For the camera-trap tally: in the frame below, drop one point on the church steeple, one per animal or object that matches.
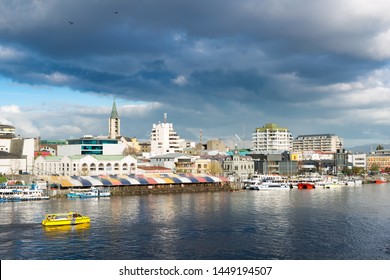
(114, 112)
(114, 130)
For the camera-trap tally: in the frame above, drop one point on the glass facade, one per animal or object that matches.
(92, 146)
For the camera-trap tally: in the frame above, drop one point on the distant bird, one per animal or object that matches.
(70, 22)
(115, 13)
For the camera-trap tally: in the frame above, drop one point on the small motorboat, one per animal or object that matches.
(304, 185)
(381, 180)
(65, 219)
(92, 192)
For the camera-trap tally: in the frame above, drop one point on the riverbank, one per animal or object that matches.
(157, 189)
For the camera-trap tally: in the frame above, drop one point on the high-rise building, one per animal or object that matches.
(16, 153)
(318, 142)
(164, 139)
(114, 128)
(271, 137)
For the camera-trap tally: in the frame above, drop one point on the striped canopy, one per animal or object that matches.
(128, 180)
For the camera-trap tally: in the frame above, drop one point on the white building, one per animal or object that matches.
(317, 142)
(91, 165)
(11, 164)
(271, 137)
(359, 160)
(91, 146)
(17, 155)
(164, 139)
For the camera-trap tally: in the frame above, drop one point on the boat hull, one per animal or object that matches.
(91, 193)
(65, 219)
(302, 186)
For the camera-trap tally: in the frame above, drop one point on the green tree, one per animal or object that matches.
(215, 168)
(374, 168)
(357, 170)
(379, 148)
(3, 179)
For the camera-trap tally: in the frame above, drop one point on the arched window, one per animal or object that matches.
(84, 169)
(132, 168)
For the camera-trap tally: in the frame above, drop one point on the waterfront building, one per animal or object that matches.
(359, 160)
(341, 161)
(164, 139)
(271, 137)
(238, 166)
(202, 166)
(274, 162)
(317, 142)
(114, 128)
(83, 165)
(379, 161)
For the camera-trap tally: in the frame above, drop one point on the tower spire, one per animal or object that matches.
(114, 112)
(114, 129)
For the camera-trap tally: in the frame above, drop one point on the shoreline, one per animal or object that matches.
(156, 189)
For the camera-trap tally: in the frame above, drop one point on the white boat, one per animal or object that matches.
(21, 193)
(267, 182)
(89, 193)
(353, 182)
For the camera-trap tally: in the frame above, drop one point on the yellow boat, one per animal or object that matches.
(65, 219)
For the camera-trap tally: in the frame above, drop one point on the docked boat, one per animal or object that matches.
(381, 180)
(331, 185)
(89, 193)
(65, 219)
(306, 185)
(353, 182)
(267, 182)
(9, 193)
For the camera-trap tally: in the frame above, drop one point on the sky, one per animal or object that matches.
(221, 66)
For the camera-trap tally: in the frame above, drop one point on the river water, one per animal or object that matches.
(348, 223)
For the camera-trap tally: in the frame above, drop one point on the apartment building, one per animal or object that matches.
(164, 139)
(271, 137)
(317, 142)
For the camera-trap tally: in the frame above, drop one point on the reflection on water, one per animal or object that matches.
(343, 223)
(53, 231)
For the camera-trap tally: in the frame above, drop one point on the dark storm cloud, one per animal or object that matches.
(264, 58)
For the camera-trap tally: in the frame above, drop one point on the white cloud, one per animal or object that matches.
(9, 53)
(180, 80)
(10, 109)
(66, 129)
(380, 46)
(57, 78)
(138, 109)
